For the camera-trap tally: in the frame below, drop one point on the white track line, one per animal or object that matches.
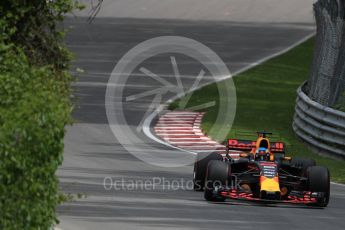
(167, 130)
(335, 183)
(165, 126)
(177, 135)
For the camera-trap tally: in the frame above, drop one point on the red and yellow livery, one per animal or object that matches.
(260, 171)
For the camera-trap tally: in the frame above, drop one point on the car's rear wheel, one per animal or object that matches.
(319, 182)
(200, 167)
(303, 164)
(218, 173)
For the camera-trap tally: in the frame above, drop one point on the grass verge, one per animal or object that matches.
(266, 98)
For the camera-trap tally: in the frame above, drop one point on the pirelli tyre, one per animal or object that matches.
(319, 182)
(303, 164)
(217, 176)
(200, 166)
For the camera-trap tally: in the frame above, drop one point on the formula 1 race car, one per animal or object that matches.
(260, 171)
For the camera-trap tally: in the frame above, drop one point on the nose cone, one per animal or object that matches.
(269, 185)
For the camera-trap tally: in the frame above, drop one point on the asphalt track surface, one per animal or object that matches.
(92, 153)
(258, 11)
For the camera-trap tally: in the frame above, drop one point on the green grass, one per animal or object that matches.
(266, 98)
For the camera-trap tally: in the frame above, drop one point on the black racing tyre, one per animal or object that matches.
(218, 173)
(303, 163)
(319, 181)
(200, 166)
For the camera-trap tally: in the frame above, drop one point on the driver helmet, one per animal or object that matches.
(262, 154)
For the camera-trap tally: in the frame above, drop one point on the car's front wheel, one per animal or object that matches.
(200, 167)
(319, 182)
(218, 173)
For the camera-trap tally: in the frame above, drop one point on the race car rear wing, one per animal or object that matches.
(248, 145)
(240, 145)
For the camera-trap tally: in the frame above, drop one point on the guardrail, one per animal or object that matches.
(323, 128)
